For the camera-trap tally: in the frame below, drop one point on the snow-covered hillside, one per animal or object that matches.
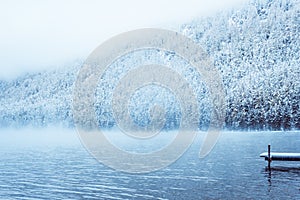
(256, 49)
(39, 99)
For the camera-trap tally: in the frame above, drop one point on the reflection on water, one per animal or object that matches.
(280, 174)
(279, 169)
(233, 170)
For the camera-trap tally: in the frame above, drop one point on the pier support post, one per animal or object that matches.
(269, 157)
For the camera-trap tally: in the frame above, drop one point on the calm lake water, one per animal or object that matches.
(38, 166)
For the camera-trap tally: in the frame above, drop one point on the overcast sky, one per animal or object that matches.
(40, 34)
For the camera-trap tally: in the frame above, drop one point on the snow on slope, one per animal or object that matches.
(255, 48)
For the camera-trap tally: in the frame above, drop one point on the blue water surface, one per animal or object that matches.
(54, 165)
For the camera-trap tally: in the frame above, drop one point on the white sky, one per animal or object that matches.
(39, 34)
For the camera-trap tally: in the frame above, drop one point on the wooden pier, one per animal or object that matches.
(270, 156)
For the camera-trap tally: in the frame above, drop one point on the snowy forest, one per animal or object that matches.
(255, 48)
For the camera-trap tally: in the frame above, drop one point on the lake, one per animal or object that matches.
(52, 164)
